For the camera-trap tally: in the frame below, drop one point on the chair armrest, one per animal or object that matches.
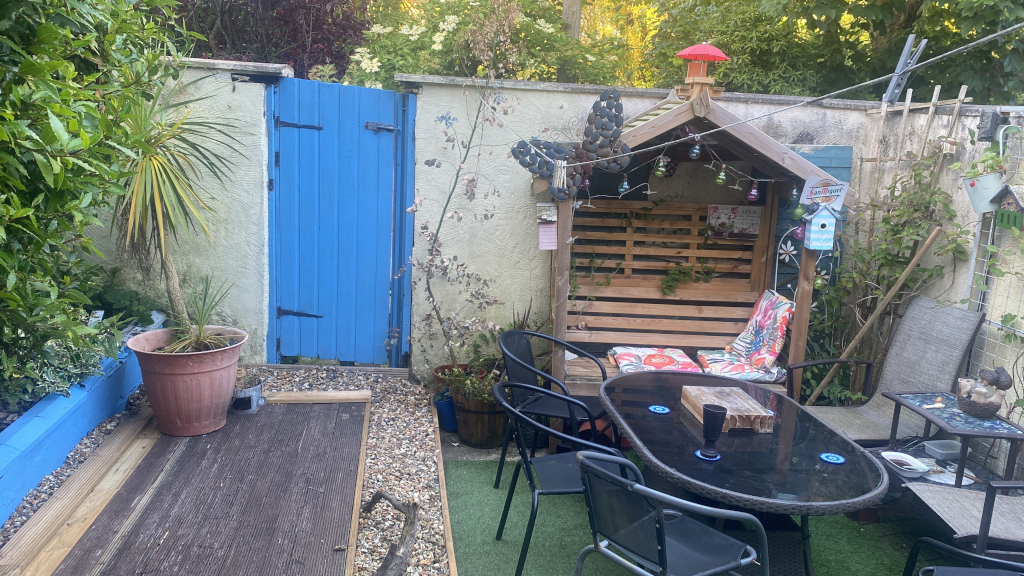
(790, 385)
(569, 400)
(988, 509)
(976, 559)
(694, 508)
(622, 462)
(575, 349)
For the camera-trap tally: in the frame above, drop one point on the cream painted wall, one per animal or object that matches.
(495, 234)
(238, 251)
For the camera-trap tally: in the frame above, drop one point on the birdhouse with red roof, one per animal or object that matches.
(697, 71)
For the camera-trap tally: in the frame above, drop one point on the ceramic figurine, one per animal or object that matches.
(984, 398)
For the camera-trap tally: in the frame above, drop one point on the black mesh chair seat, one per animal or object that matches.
(560, 473)
(694, 547)
(647, 532)
(554, 408)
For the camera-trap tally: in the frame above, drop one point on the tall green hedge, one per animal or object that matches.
(66, 68)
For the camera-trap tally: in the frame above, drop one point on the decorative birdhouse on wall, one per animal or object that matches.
(821, 228)
(1010, 213)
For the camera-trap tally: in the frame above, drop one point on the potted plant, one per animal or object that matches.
(481, 422)
(189, 371)
(983, 179)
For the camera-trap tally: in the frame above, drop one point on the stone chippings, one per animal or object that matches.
(48, 485)
(401, 458)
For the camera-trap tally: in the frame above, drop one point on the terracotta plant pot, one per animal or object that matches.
(190, 393)
(481, 422)
(439, 381)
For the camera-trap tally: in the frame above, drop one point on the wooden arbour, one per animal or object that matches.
(612, 254)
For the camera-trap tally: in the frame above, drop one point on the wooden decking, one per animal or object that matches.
(272, 493)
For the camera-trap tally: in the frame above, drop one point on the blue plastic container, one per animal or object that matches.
(446, 414)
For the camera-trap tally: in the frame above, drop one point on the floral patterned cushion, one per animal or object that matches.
(630, 359)
(762, 340)
(752, 355)
(732, 365)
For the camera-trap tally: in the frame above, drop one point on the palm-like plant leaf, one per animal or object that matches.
(172, 153)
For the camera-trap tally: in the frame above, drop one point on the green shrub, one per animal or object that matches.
(66, 69)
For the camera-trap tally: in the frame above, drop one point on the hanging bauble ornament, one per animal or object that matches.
(659, 167)
(624, 187)
(819, 283)
(794, 194)
(585, 183)
(753, 195)
(720, 179)
(695, 152)
(798, 233)
(799, 211)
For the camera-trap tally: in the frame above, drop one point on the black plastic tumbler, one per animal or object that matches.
(714, 419)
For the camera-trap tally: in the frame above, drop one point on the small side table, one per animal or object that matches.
(955, 422)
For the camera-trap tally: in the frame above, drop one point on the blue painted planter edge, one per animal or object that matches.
(39, 441)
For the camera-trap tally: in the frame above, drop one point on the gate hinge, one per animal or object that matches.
(270, 185)
(278, 123)
(286, 312)
(378, 127)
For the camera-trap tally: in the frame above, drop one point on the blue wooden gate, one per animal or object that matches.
(341, 176)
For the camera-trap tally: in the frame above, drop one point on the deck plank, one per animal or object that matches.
(271, 493)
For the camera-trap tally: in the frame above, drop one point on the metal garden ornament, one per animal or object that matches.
(599, 149)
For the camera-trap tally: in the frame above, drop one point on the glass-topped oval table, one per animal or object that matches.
(782, 472)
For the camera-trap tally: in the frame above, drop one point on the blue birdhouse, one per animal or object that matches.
(821, 228)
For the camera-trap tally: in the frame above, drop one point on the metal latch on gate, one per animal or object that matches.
(378, 127)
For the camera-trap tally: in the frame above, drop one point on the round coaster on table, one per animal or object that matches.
(658, 409)
(832, 458)
(706, 459)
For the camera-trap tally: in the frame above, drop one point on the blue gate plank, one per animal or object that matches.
(309, 160)
(286, 191)
(328, 219)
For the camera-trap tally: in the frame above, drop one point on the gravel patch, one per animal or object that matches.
(401, 458)
(48, 485)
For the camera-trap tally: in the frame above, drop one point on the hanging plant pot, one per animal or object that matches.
(189, 392)
(982, 189)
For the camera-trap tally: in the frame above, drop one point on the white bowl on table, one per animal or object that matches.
(905, 465)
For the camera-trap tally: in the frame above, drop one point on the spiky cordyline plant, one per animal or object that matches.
(194, 333)
(169, 149)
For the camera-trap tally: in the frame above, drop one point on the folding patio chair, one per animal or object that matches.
(983, 565)
(517, 350)
(928, 353)
(556, 474)
(654, 533)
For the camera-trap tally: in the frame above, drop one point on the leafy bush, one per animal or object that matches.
(514, 39)
(302, 33)
(107, 293)
(65, 71)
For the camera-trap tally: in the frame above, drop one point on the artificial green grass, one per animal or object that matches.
(841, 547)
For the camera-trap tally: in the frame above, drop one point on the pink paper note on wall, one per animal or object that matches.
(548, 232)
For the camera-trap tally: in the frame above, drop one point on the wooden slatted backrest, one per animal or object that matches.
(622, 252)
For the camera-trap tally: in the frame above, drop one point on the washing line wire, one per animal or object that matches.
(879, 80)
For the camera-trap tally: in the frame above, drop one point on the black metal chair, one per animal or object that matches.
(555, 474)
(521, 367)
(653, 532)
(984, 565)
